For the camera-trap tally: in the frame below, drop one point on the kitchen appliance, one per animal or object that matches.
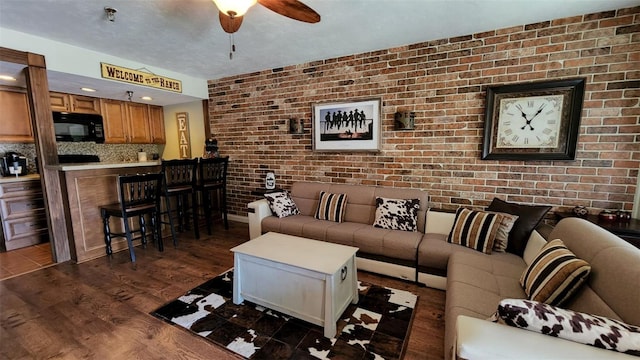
(74, 127)
(13, 164)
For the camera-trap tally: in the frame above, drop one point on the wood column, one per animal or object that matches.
(46, 149)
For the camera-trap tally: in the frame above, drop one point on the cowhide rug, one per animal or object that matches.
(375, 328)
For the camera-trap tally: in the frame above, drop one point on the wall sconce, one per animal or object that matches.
(405, 120)
(296, 126)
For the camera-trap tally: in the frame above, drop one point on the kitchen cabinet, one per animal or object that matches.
(15, 116)
(139, 129)
(156, 122)
(115, 120)
(74, 103)
(133, 123)
(24, 221)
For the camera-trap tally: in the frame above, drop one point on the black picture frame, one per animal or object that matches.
(570, 94)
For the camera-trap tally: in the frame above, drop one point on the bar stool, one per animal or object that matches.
(180, 184)
(212, 176)
(139, 196)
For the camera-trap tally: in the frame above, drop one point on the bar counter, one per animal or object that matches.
(88, 187)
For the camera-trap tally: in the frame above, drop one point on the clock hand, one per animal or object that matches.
(537, 112)
(522, 112)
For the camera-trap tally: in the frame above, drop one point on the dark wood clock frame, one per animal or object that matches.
(572, 91)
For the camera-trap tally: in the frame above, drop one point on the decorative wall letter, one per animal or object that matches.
(184, 139)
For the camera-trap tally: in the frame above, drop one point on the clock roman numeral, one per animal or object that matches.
(546, 131)
(508, 132)
(515, 138)
(526, 141)
(530, 103)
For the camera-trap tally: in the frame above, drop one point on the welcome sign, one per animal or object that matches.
(119, 73)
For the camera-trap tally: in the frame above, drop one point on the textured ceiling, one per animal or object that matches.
(185, 36)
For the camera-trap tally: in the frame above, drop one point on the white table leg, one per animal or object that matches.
(354, 280)
(237, 274)
(330, 327)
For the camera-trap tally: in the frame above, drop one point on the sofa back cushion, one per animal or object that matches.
(614, 284)
(361, 199)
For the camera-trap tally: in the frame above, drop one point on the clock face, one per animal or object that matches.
(529, 122)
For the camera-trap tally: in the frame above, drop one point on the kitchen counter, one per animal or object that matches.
(102, 165)
(10, 179)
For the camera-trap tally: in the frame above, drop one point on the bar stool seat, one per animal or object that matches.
(139, 196)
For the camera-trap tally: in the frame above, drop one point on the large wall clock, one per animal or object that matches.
(534, 121)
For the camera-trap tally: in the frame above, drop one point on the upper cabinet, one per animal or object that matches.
(134, 123)
(15, 116)
(156, 122)
(74, 103)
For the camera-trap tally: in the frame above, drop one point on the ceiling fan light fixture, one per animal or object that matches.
(234, 8)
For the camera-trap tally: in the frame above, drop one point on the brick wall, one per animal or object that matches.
(444, 83)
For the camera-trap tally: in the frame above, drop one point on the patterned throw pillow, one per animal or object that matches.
(554, 275)
(583, 328)
(475, 229)
(331, 206)
(502, 235)
(281, 204)
(397, 214)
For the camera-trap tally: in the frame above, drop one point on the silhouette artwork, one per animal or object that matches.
(346, 123)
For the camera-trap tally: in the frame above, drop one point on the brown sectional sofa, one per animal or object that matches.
(475, 282)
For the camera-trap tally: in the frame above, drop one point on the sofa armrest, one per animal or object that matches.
(258, 210)
(439, 222)
(482, 339)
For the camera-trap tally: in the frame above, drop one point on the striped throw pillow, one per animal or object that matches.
(475, 229)
(331, 206)
(554, 275)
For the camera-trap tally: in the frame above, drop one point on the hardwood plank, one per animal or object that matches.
(100, 308)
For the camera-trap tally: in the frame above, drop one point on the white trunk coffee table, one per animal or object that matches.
(308, 279)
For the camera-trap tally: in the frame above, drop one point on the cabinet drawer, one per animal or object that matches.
(20, 206)
(19, 188)
(27, 227)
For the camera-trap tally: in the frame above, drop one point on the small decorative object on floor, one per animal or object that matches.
(580, 211)
(270, 181)
(607, 215)
(623, 216)
(377, 327)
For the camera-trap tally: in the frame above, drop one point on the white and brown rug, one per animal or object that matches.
(375, 328)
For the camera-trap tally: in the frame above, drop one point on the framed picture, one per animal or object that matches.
(535, 121)
(347, 126)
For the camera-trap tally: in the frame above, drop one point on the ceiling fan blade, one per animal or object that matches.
(293, 9)
(228, 23)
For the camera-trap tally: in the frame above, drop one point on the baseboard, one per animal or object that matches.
(433, 281)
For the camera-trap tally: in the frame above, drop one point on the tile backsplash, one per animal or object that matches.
(108, 153)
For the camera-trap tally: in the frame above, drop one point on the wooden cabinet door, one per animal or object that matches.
(156, 123)
(116, 124)
(15, 118)
(59, 101)
(139, 132)
(85, 104)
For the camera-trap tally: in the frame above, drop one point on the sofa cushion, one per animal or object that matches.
(331, 206)
(397, 214)
(554, 275)
(502, 235)
(529, 216)
(474, 229)
(281, 204)
(584, 328)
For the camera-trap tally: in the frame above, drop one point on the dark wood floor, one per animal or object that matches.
(100, 309)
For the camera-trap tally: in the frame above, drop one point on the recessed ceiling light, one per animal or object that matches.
(88, 89)
(7, 78)
(146, 98)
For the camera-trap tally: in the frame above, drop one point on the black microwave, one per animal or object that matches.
(77, 127)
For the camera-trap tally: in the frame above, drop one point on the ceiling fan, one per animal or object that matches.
(231, 12)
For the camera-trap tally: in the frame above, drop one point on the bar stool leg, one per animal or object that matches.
(107, 231)
(167, 204)
(194, 213)
(224, 208)
(206, 199)
(127, 231)
(157, 229)
(143, 230)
